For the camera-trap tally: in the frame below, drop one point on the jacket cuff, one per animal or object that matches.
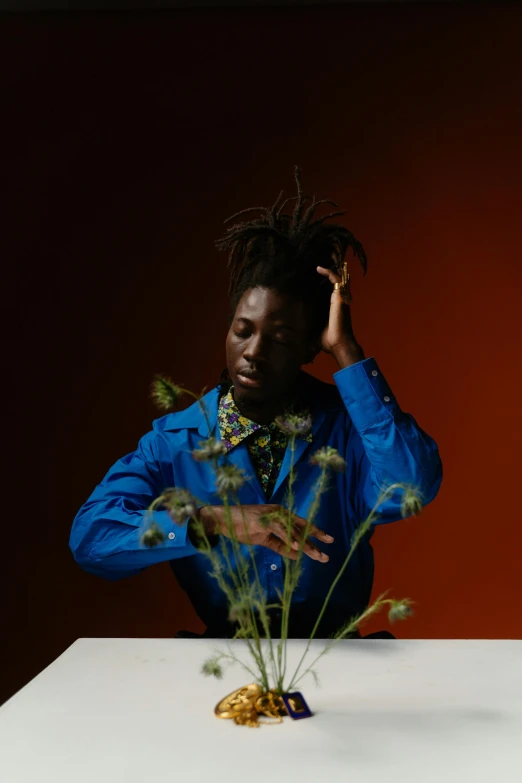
(366, 394)
(176, 535)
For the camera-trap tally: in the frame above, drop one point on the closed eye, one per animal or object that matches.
(245, 335)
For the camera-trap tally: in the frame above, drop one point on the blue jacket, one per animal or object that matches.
(359, 416)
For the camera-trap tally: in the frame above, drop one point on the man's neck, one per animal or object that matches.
(261, 413)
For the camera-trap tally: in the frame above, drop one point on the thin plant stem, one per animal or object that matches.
(225, 587)
(358, 534)
(232, 657)
(241, 563)
(293, 568)
(262, 598)
(350, 628)
(241, 587)
(288, 581)
(321, 487)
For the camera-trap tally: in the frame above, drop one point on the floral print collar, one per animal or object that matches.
(266, 447)
(234, 427)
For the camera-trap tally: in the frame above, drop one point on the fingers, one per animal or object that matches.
(314, 531)
(329, 273)
(293, 541)
(300, 525)
(308, 547)
(280, 547)
(287, 540)
(278, 529)
(342, 292)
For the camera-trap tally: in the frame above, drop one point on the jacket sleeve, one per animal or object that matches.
(385, 445)
(105, 536)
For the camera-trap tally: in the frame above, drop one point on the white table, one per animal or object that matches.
(138, 711)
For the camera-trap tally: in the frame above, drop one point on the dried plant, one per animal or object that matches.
(247, 601)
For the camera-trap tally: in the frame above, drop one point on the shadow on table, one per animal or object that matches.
(356, 731)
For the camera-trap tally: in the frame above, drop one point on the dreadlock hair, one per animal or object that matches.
(282, 251)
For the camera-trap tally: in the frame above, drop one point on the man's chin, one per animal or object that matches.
(245, 393)
(254, 394)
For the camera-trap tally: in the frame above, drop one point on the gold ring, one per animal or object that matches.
(336, 286)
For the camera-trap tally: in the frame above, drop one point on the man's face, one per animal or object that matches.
(266, 346)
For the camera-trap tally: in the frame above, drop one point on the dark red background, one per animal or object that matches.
(127, 140)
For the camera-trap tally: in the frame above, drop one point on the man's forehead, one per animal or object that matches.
(270, 305)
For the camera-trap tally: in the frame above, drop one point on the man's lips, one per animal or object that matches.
(250, 378)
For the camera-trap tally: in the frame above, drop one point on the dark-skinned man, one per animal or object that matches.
(289, 301)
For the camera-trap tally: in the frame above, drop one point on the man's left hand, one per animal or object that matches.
(338, 338)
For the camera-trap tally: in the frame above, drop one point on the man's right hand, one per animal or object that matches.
(245, 526)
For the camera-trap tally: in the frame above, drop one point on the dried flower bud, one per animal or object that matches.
(153, 536)
(209, 449)
(328, 458)
(229, 478)
(411, 502)
(164, 393)
(400, 610)
(293, 424)
(179, 503)
(212, 668)
(239, 611)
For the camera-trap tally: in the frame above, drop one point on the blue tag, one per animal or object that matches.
(296, 706)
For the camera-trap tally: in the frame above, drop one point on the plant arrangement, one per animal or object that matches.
(273, 692)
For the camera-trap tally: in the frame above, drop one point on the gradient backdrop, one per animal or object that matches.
(127, 140)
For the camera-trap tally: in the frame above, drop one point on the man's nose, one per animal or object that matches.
(255, 350)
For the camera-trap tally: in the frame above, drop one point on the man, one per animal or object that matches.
(288, 302)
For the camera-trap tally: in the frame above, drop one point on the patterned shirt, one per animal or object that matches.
(266, 447)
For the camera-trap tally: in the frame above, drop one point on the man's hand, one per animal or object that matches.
(246, 527)
(338, 338)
